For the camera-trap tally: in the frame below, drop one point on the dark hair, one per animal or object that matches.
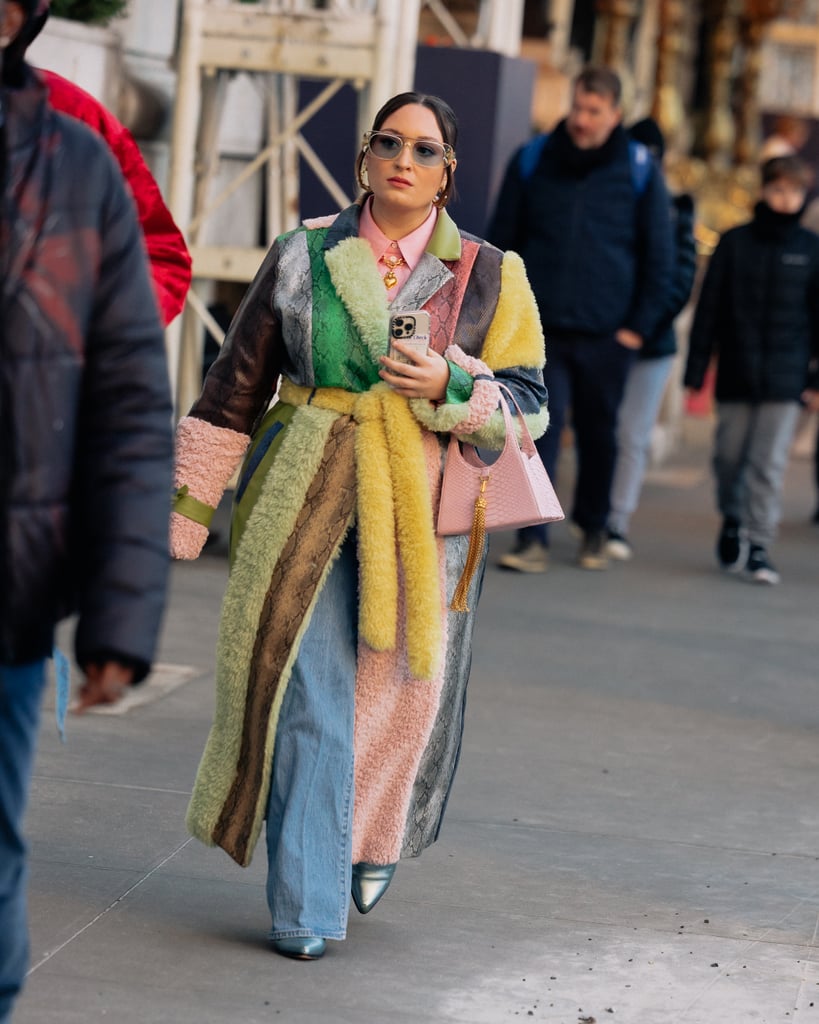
(601, 81)
(790, 167)
(648, 132)
(35, 14)
(447, 123)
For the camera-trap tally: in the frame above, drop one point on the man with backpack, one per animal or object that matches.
(588, 211)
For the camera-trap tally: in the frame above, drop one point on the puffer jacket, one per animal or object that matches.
(85, 412)
(598, 255)
(167, 252)
(663, 341)
(758, 312)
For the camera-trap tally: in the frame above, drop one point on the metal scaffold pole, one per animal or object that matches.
(369, 44)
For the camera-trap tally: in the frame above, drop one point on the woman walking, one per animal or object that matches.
(341, 670)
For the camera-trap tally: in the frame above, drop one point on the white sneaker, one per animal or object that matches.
(618, 547)
(759, 568)
(531, 557)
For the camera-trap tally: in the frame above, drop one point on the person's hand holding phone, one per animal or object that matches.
(424, 375)
(412, 368)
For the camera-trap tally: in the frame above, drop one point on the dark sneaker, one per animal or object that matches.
(759, 567)
(732, 548)
(592, 554)
(617, 546)
(529, 557)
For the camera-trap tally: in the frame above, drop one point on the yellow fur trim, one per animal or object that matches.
(515, 336)
(394, 504)
(377, 557)
(416, 536)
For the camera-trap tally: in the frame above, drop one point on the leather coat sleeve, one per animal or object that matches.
(243, 378)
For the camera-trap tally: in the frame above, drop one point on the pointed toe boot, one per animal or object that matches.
(305, 947)
(370, 882)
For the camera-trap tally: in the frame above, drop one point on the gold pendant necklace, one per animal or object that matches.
(392, 262)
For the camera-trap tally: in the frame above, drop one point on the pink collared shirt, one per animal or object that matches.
(411, 247)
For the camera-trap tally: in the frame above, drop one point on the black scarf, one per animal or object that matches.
(773, 226)
(579, 162)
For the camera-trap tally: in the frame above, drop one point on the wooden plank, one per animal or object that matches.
(226, 262)
(313, 30)
(287, 57)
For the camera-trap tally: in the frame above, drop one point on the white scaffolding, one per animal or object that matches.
(368, 44)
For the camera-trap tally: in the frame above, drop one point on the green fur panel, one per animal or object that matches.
(359, 285)
(342, 354)
(270, 523)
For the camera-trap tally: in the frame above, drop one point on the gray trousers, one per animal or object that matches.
(751, 454)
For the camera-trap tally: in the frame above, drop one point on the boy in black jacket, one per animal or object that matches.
(759, 313)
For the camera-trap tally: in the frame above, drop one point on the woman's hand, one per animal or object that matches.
(425, 377)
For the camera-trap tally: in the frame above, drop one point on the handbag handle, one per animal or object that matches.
(478, 530)
(526, 443)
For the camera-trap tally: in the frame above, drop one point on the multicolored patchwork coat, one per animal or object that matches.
(339, 449)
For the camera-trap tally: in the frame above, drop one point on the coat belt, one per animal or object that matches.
(396, 535)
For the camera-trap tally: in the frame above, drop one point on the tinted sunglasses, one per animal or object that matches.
(425, 152)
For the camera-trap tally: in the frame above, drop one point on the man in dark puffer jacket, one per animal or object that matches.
(86, 454)
(758, 311)
(592, 224)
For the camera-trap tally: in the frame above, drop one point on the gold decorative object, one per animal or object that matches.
(722, 18)
(753, 25)
(613, 42)
(392, 262)
(672, 47)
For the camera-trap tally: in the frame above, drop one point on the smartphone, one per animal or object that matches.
(412, 330)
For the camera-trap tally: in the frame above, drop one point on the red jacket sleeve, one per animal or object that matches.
(168, 254)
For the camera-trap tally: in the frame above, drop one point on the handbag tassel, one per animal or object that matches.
(473, 555)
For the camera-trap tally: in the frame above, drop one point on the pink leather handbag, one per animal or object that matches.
(479, 497)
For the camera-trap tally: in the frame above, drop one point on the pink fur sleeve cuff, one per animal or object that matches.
(467, 417)
(206, 459)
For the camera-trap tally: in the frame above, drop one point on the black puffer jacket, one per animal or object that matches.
(758, 311)
(85, 414)
(663, 341)
(597, 253)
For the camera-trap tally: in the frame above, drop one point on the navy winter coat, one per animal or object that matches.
(663, 340)
(598, 252)
(85, 412)
(758, 311)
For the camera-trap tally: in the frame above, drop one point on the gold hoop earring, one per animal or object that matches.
(363, 180)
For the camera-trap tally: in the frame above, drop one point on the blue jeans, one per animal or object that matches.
(639, 409)
(310, 808)
(21, 690)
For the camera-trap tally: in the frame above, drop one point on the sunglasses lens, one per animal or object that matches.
(428, 154)
(387, 147)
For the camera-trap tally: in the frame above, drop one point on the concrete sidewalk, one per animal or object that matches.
(633, 834)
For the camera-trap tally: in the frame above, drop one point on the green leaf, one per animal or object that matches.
(91, 12)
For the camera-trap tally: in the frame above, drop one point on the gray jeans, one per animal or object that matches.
(750, 457)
